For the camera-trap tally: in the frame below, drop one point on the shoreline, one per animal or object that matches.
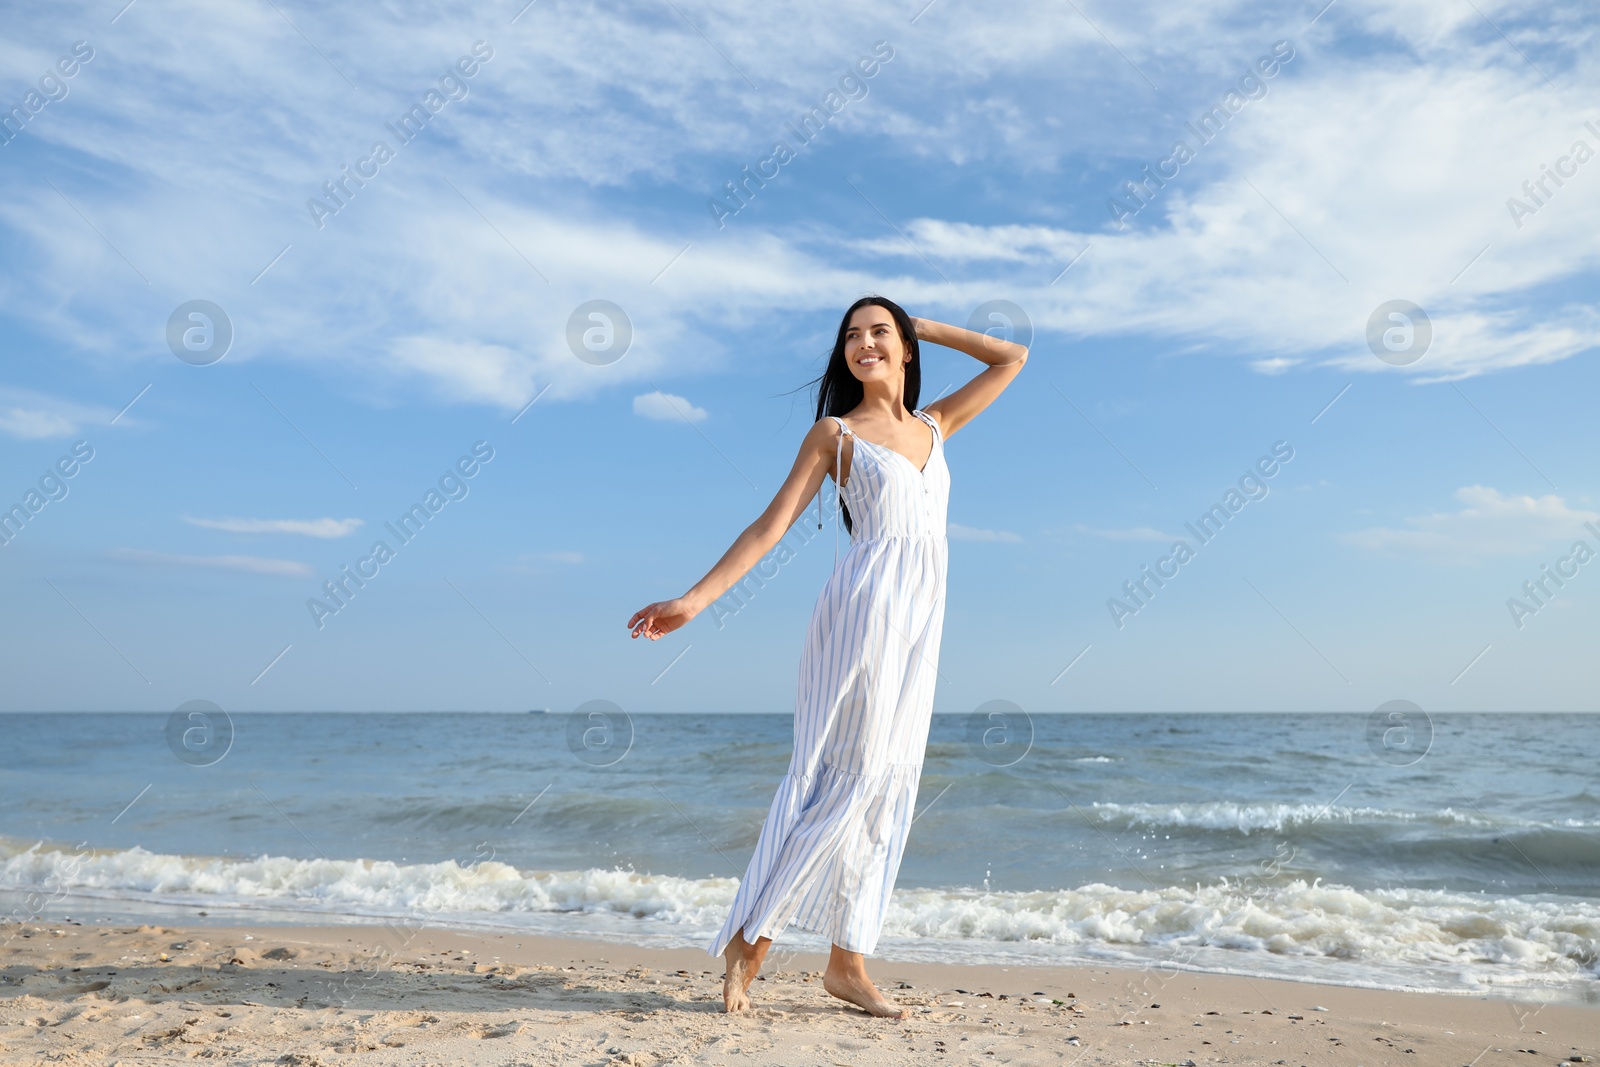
(91, 911)
(305, 994)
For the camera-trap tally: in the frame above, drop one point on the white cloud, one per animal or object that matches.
(466, 370)
(411, 284)
(33, 425)
(973, 533)
(326, 528)
(33, 416)
(1271, 242)
(951, 242)
(659, 405)
(552, 557)
(249, 564)
(1489, 524)
(1134, 533)
(1273, 365)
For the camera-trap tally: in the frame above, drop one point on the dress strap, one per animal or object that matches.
(925, 417)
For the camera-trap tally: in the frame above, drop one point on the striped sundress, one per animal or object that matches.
(830, 849)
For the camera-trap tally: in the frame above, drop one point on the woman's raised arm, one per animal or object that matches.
(813, 462)
(1004, 359)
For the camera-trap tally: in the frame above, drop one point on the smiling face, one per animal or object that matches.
(872, 345)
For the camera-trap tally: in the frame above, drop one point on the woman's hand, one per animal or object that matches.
(919, 327)
(662, 617)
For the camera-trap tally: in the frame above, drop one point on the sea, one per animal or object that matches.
(1453, 853)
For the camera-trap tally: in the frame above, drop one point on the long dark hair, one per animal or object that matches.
(839, 391)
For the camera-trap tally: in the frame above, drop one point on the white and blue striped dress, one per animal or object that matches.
(828, 854)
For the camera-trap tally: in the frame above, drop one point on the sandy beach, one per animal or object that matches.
(309, 996)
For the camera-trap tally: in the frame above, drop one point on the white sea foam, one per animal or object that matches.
(1431, 928)
(370, 887)
(1475, 937)
(1248, 818)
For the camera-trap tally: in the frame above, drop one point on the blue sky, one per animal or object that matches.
(375, 345)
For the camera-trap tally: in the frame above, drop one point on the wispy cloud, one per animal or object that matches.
(1490, 524)
(659, 405)
(32, 416)
(1211, 261)
(34, 425)
(1273, 365)
(1132, 533)
(467, 370)
(555, 557)
(285, 568)
(327, 528)
(973, 533)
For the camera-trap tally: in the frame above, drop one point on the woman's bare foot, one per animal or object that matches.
(744, 962)
(846, 978)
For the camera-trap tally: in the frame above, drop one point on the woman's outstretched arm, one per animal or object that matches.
(1004, 359)
(814, 461)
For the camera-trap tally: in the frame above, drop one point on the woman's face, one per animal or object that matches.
(872, 345)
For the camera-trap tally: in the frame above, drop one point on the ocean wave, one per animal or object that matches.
(1518, 939)
(369, 887)
(1250, 818)
(1405, 926)
(578, 813)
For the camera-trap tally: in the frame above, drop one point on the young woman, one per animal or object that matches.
(830, 848)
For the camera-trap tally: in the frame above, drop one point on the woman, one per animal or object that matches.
(830, 848)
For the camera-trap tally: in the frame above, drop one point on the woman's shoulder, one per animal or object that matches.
(827, 430)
